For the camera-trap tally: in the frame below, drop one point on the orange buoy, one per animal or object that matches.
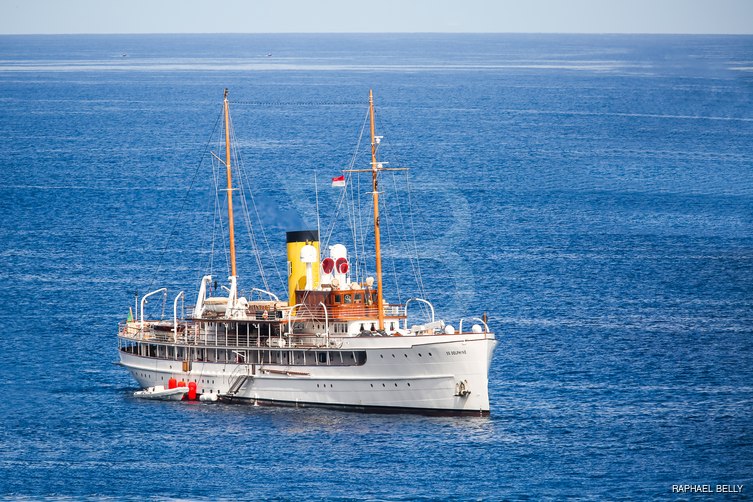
(181, 384)
(172, 383)
(192, 391)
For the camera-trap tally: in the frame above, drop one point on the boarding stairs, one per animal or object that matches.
(238, 379)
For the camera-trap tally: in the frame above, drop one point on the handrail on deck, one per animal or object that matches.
(290, 317)
(143, 301)
(405, 325)
(486, 327)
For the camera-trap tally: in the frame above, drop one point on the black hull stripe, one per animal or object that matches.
(359, 408)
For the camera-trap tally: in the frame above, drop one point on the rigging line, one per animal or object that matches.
(350, 166)
(246, 180)
(219, 212)
(414, 257)
(299, 103)
(316, 193)
(352, 218)
(384, 211)
(399, 226)
(252, 238)
(246, 213)
(406, 250)
(353, 182)
(208, 241)
(337, 213)
(168, 239)
(413, 232)
(361, 261)
(219, 180)
(214, 235)
(404, 236)
(358, 232)
(216, 208)
(361, 255)
(215, 212)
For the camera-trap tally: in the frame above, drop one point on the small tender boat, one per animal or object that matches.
(160, 392)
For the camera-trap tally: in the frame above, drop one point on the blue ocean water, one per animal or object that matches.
(593, 194)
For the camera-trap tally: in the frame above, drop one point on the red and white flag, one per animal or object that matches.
(338, 181)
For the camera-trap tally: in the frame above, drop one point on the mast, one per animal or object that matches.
(231, 225)
(375, 193)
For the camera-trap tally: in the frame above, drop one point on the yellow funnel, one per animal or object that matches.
(296, 267)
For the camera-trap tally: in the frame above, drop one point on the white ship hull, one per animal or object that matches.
(445, 374)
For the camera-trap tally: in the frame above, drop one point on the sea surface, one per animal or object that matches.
(592, 194)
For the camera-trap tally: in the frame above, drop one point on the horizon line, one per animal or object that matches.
(383, 33)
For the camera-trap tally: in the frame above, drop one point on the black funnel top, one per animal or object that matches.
(303, 236)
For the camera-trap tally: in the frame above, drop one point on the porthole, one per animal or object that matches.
(408, 384)
(406, 355)
(419, 355)
(393, 355)
(429, 354)
(381, 355)
(384, 385)
(372, 385)
(395, 384)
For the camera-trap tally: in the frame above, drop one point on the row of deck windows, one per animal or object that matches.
(264, 356)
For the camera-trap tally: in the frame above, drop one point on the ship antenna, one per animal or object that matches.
(231, 226)
(375, 193)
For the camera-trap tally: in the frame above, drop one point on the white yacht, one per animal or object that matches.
(335, 342)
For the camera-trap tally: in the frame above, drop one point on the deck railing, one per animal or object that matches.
(347, 312)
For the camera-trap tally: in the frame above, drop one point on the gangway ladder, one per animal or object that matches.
(239, 377)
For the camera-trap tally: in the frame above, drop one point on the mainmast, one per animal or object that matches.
(375, 168)
(231, 225)
(375, 193)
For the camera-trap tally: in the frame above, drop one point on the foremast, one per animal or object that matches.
(231, 223)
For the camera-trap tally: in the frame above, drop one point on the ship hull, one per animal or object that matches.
(439, 374)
